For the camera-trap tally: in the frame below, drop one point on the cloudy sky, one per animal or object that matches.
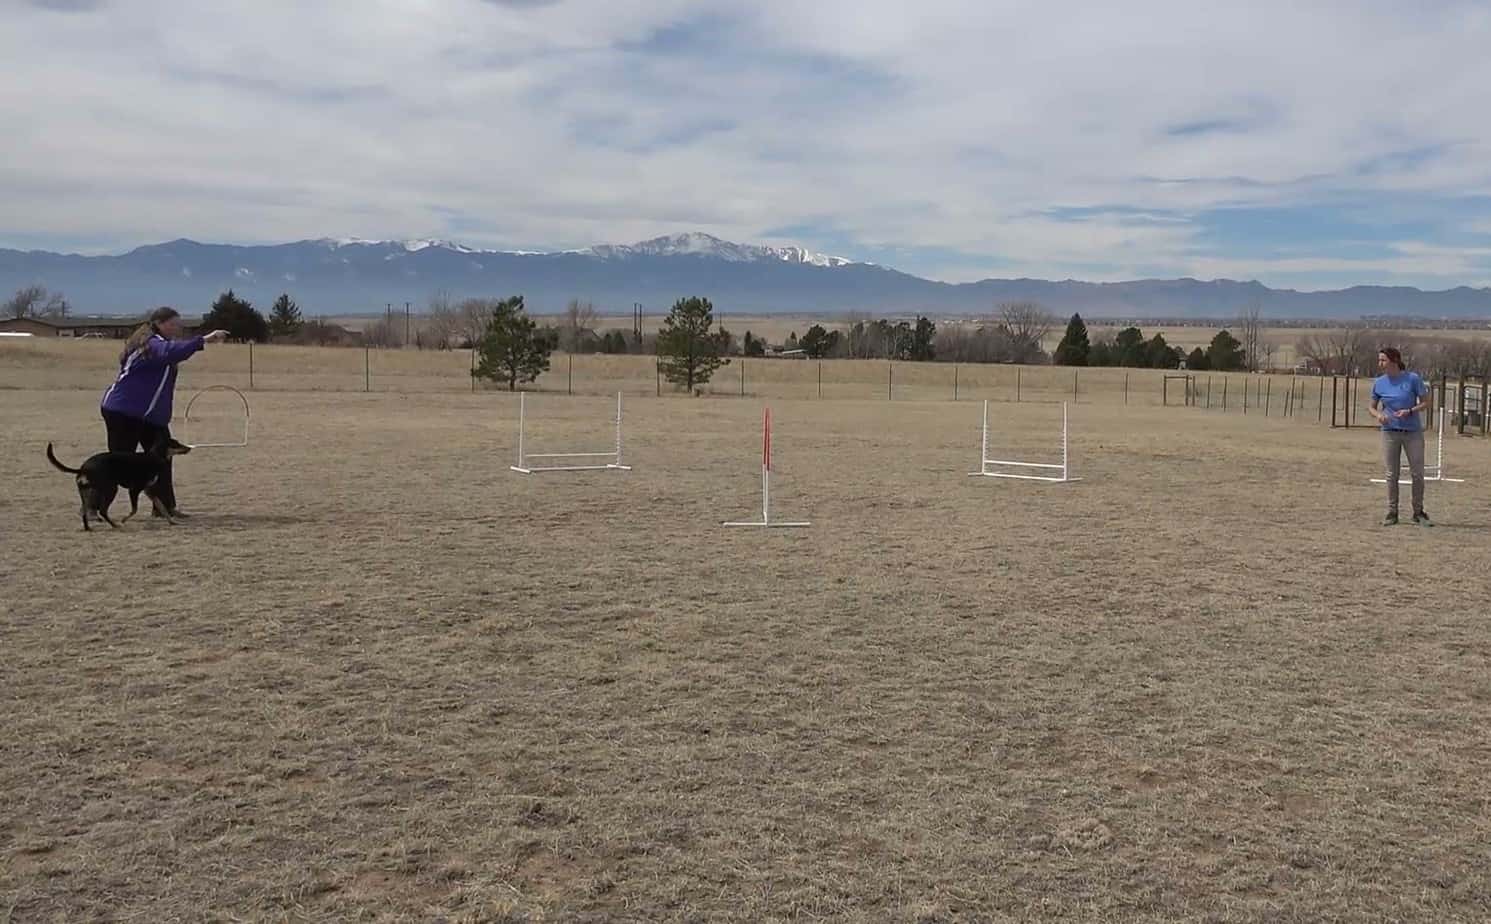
(1305, 145)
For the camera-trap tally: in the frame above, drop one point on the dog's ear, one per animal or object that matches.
(177, 448)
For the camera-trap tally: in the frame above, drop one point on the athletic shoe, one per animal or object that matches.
(1390, 520)
(1422, 519)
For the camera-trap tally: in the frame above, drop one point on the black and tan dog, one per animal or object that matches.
(102, 475)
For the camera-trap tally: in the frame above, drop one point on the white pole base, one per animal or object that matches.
(569, 468)
(523, 466)
(779, 523)
(1058, 479)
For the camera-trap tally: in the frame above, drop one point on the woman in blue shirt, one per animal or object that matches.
(1397, 398)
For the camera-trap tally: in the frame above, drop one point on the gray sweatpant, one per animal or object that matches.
(1396, 443)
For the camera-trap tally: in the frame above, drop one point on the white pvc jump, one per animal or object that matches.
(991, 468)
(1433, 472)
(766, 521)
(186, 418)
(612, 457)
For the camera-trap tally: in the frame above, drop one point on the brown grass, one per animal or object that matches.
(381, 677)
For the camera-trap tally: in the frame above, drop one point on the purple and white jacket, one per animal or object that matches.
(147, 379)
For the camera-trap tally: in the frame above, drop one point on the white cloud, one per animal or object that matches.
(948, 125)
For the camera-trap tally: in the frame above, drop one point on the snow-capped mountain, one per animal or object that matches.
(692, 243)
(356, 276)
(413, 246)
(696, 243)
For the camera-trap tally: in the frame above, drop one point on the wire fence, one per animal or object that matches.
(1325, 400)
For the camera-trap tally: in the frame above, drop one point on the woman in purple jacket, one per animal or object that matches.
(137, 407)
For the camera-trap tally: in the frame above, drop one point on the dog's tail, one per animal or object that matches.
(70, 471)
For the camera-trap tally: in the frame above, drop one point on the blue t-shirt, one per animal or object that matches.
(1399, 393)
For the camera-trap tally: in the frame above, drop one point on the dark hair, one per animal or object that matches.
(1393, 356)
(145, 331)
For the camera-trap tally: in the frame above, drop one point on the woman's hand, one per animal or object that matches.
(217, 336)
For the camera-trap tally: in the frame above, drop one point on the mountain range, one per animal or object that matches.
(351, 276)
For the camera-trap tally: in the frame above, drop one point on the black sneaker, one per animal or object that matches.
(1422, 519)
(1390, 520)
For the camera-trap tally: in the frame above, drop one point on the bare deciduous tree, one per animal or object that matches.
(859, 341)
(473, 316)
(1267, 349)
(577, 326)
(36, 302)
(443, 327)
(1026, 326)
(1250, 334)
(383, 332)
(1345, 351)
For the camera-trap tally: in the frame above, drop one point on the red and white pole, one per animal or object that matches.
(766, 466)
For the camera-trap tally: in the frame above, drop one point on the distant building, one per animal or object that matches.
(79, 326)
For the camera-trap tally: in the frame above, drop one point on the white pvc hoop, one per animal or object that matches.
(186, 418)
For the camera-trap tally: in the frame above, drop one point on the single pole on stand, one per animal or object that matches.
(766, 520)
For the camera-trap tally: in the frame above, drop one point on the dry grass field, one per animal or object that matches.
(380, 677)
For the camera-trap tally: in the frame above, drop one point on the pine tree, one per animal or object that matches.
(284, 317)
(688, 351)
(1074, 346)
(514, 349)
(1225, 353)
(923, 341)
(1129, 347)
(237, 317)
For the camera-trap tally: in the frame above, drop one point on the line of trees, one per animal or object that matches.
(1129, 348)
(691, 346)
(1353, 351)
(514, 348)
